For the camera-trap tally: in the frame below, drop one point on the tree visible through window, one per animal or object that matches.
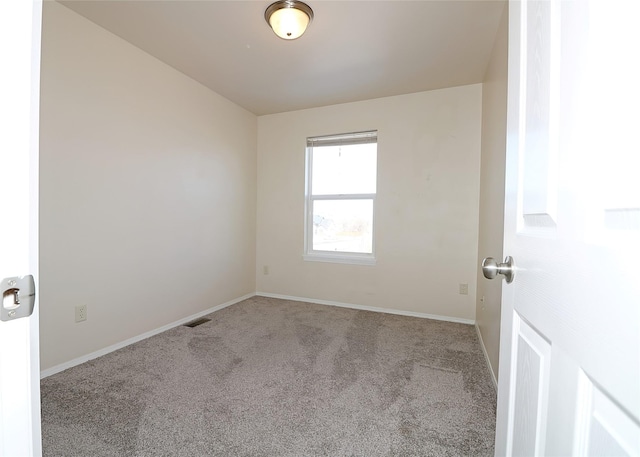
(341, 191)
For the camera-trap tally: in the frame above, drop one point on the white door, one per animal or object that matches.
(569, 381)
(20, 23)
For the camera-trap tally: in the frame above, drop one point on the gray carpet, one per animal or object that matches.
(269, 377)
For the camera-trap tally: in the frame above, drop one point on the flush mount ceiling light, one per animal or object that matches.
(288, 18)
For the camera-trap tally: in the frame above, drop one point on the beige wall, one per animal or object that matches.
(426, 230)
(148, 189)
(494, 127)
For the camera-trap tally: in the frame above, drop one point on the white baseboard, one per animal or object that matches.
(486, 357)
(369, 308)
(135, 339)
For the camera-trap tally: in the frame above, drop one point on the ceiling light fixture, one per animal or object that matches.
(288, 18)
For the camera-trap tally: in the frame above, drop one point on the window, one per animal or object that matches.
(340, 197)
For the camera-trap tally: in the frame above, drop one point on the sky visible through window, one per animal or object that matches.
(347, 169)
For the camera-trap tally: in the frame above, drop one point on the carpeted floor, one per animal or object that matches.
(269, 377)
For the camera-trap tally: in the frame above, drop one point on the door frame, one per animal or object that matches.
(20, 44)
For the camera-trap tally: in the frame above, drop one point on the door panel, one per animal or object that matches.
(602, 427)
(531, 387)
(538, 120)
(572, 220)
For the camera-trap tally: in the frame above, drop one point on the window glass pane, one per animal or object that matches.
(347, 169)
(343, 225)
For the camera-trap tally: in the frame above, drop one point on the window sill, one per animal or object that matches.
(347, 259)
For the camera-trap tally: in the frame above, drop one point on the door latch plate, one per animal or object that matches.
(18, 297)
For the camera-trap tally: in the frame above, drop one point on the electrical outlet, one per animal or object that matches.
(81, 313)
(265, 270)
(464, 289)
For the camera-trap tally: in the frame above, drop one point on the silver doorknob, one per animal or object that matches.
(491, 268)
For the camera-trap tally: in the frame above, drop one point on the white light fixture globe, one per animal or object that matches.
(288, 18)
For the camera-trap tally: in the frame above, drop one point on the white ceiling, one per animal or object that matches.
(353, 50)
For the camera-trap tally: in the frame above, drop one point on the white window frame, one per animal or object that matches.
(310, 254)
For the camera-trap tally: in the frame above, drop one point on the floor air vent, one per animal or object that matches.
(197, 322)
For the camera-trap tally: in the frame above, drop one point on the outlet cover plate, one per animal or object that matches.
(81, 313)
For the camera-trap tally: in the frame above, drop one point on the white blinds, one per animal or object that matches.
(343, 139)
